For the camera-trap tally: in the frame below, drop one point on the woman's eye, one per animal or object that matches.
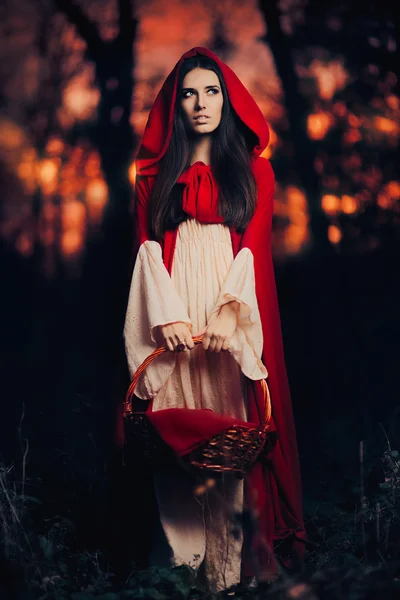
(190, 93)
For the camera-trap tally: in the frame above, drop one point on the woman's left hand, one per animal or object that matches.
(221, 328)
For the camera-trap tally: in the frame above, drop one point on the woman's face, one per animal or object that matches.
(202, 100)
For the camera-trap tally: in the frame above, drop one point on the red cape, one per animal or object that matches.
(273, 487)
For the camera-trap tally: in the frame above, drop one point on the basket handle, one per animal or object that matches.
(197, 339)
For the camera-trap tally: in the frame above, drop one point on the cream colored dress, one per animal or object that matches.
(204, 276)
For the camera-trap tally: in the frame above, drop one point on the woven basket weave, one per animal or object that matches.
(235, 449)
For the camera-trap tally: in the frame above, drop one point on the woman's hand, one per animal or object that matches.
(172, 334)
(221, 328)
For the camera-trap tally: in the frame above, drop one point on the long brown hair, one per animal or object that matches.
(230, 164)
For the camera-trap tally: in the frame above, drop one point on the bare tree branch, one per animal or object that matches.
(127, 23)
(84, 26)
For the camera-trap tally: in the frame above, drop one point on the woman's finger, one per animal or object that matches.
(213, 343)
(179, 339)
(225, 345)
(206, 341)
(189, 341)
(218, 345)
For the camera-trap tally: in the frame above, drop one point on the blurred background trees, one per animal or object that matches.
(77, 81)
(72, 114)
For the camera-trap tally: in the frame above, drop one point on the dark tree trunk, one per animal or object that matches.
(106, 271)
(296, 107)
(107, 264)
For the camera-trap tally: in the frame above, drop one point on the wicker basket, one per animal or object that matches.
(235, 449)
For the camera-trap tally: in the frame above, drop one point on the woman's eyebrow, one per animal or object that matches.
(206, 88)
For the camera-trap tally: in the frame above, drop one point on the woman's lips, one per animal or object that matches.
(201, 119)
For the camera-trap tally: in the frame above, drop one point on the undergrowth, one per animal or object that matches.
(353, 549)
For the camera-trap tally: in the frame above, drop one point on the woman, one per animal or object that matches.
(204, 203)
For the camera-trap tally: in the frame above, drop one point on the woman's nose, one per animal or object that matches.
(201, 103)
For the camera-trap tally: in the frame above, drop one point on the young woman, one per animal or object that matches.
(204, 204)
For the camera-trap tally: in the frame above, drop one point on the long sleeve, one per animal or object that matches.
(243, 282)
(152, 301)
(246, 343)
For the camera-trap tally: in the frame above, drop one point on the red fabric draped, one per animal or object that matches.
(185, 429)
(200, 193)
(273, 487)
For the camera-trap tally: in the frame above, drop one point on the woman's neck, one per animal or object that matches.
(202, 149)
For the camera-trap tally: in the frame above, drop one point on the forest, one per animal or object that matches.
(77, 81)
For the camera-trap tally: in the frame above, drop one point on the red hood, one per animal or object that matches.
(158, 129)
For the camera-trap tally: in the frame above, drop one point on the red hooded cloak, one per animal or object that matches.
(273, 486)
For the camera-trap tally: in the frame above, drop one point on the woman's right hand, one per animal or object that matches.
(172, 334)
